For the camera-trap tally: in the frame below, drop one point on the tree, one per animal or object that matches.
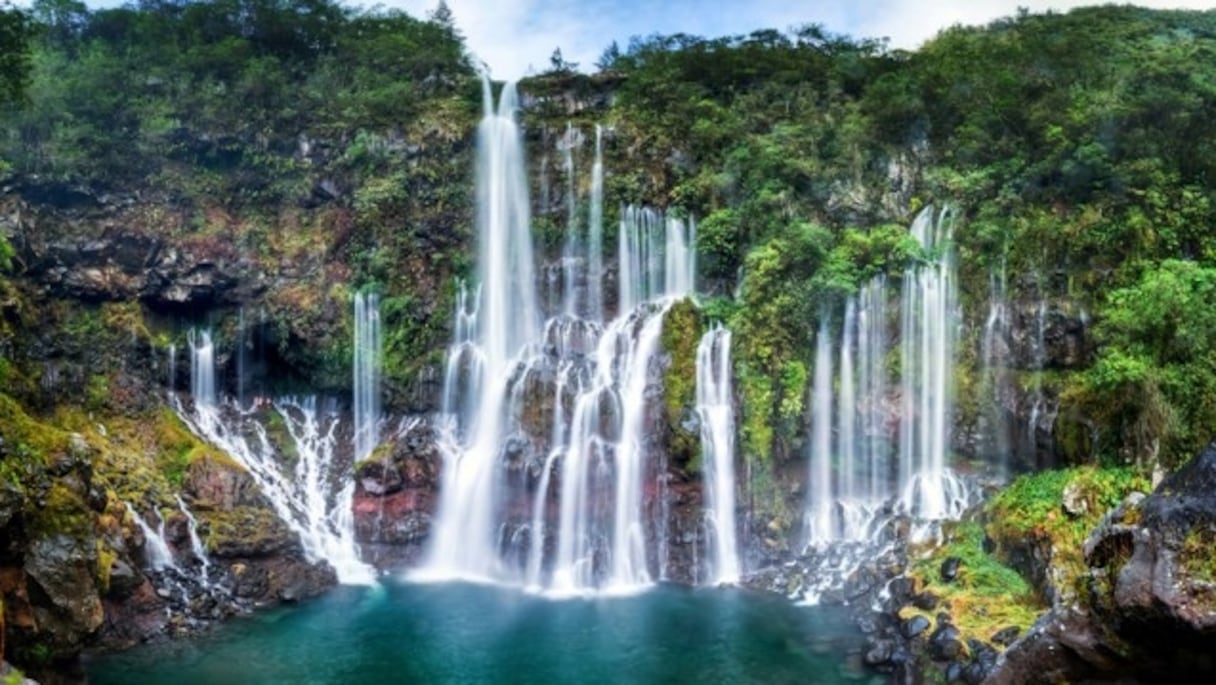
(14, 53)
(608, 58)
(442, 15)
(558, 65)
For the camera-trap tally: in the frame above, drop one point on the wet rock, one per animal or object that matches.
(1006, 636)
(954, 673)
(124, 580)
(220, 484)
(62, 567)
(1150, 612)
(914, 626)
(949, 569)
(925, 601)
(944, 643)
(1074, 501)
(879, 652)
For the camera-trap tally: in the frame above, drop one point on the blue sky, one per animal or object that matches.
(513, 35)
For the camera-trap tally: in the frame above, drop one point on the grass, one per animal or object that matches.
(986, 597)
(1031, 511)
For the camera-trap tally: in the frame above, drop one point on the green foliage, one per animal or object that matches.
(683, 326)
(1030, 512)
(15, 33)
(1154, 380)
(165, 90)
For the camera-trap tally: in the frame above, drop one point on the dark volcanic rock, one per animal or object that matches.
(1151, 609)
(949, 569)
(914, 626)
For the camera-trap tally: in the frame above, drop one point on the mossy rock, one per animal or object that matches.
(683, 326)
(244, 532)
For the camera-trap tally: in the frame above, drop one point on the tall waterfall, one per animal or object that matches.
(367, 366)
(821, 522)
(595, 233)
(498, 327)
(549, 475)
(928, 321)
(856, 463)
(715, 405)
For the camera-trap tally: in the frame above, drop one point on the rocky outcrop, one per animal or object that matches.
(1148, 609)
(396, 492)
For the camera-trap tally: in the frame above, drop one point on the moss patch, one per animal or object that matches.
(682, 330)
(986, 597)
(1031, 511)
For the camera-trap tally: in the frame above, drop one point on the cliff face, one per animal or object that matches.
(802, 157)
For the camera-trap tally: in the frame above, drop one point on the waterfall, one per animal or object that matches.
(1038, 354)
(303, 480)
(551, 476)
(242, 370)
(716, 410)
(570, 249)
(202, 368)
(156, 549)
(367, 365)
(486, 351)
(872, 378)
(656, 256)
(196, 543)
(851, 468)
(928, 319)
(821, 524)
(994, 353)
(595, 234)
(172, 369)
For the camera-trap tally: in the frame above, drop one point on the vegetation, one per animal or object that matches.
(1053, 512)
(986, 597)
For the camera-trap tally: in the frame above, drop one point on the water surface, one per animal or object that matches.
(462, 633)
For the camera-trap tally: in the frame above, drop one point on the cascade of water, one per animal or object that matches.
(872, 356)
(1039, 360)
(172, 369)
(595, 234)
(196, 543)
(506, 322)
(367, 365)
(821, 525)
(716, 410)
(312, 498)
(159, 556)
(241, 353)
(655, 256)
(994, 357)
(928, 319)
(570, 249)
(846, 410)
(202, 368)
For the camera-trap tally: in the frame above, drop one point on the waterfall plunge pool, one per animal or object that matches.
(463, 633)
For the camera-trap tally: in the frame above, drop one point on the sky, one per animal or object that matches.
(514, 36)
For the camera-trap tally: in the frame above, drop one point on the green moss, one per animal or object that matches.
(1198, 554)
(62, 511)
(986, 596)
(1031, 511)
(105, 560)
(682, 330)
(32, 439)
